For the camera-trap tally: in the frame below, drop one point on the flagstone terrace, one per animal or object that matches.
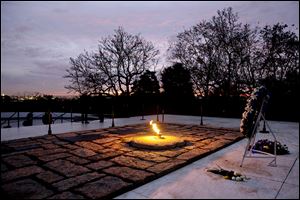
(100, 163)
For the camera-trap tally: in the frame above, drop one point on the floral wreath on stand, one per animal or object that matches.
(259, 97)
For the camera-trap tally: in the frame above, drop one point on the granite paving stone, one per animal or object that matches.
(60, 142)
(216, 144)
(26, 147)
(121, 147)
(89, 145)
(166, 166)
(132, 162)
(49, 177)
(71, 146)
(208, 141)
(47, 158)
(84, 136)
(83, 152)
(99, 165)
(66, 168)
(109, 144)
(41, 152)
(49, 146)
(31, 152)
(19, 160)
(17, 144)
(194, 153)
(64, 135)
(103, 187)
(66, 195)
(106, 140)
(106, 155)
(42, 141)
(129, 173)
(25, 189)
(20, 173)
(74, 181)
(77, 160)
(148, 156)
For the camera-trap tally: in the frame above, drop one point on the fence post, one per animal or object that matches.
(143, 112)
(8, 123)
(201, 121)
(113, 118)
(157, 111)
(18, 119)
(49, 122)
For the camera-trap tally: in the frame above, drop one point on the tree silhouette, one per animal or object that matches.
(216, 52)
(146, 85)
(119, 60)
(279, 53)
(176, 82)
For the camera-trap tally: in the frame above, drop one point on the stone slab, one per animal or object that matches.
(132, 162)
(103, 187)
(66, 168)
(82, 137)
(99, 165)
(25, 189)
(49, 177)
(133, 175)
(66, 195)
(83, 152)
(74, 181)
(20, 173)
(19, 160)
(47, 158)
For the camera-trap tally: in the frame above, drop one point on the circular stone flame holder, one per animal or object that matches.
(153, 142)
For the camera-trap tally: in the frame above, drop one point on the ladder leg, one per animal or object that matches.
(247, 146)
(273, 162)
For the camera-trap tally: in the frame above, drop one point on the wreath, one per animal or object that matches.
(258, 100)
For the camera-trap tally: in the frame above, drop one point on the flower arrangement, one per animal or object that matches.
(230, 175)
(268, 146)
(257, 100)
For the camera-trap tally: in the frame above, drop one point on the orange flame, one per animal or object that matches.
(155, 128)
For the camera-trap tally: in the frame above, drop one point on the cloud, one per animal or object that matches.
(37, 38)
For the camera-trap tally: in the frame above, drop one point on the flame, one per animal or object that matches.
(155, 128)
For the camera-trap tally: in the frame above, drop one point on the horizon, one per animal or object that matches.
(38, 38)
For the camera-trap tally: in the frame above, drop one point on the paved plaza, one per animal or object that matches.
(94, 160)
(99, 163)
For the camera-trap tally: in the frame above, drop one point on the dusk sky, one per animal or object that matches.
(38, 38)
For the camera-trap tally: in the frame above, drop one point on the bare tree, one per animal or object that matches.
(83, 78)
(112, 69)
(279, 52)
(216, 52)
(193, 49)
